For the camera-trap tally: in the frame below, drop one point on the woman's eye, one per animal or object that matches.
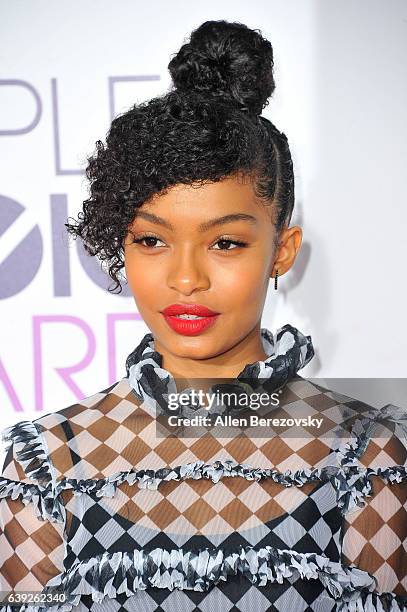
(148, 239)
(227, 241)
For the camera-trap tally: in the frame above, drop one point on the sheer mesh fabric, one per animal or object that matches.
(375, 537)
(32, 550)
(113, 497)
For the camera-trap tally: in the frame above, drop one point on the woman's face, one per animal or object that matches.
(182, 262)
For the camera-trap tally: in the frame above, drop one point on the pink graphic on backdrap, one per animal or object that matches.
(111, 340)
(10, 389)
(65, 372)
(110, 373)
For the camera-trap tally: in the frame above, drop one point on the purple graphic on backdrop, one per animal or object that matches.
(38, 111)
(22, 264)
(61, 253)
(55, 114)
(112, 80)
(125, 79)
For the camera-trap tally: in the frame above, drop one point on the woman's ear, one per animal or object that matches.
(287, 250)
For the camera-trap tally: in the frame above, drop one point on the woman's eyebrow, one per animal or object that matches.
(203, 226)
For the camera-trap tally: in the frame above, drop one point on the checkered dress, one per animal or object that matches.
(98, 505)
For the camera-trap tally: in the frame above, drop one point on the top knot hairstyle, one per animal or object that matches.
(206, 127)
(227, 61)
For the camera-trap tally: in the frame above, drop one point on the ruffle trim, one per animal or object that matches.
(352, 484)
(152, 479)
(46, 503)
(366, 601)
(113, 574)
(30, 451)
(349, 453)
(290, 351)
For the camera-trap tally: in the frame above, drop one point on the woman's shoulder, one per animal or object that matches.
(368, 436)
(379, 441)
(57, 444)
(88, 409)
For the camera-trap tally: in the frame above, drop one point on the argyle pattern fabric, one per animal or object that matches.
(94, 502)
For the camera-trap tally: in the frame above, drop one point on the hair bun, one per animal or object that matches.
(228, 60)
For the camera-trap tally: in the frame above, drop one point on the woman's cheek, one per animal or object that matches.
(245, 278)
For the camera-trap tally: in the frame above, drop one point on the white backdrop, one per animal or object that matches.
(68, 67)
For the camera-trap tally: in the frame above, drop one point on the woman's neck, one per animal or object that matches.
(226, 365)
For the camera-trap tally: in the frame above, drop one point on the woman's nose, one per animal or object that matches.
(187, 272)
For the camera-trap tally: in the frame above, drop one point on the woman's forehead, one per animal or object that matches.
(205, 204)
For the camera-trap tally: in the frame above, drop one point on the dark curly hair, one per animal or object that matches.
(206, 127)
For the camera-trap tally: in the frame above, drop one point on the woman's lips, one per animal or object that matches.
(190, 327)
(192, 309)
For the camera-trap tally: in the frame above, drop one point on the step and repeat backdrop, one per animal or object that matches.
(68, 68)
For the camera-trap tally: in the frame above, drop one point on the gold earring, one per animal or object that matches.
(275, 280)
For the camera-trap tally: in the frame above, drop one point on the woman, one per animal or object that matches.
(108, 503)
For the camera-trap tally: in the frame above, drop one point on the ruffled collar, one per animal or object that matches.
(288, 351)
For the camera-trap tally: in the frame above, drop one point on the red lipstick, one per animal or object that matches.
(193, 326)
